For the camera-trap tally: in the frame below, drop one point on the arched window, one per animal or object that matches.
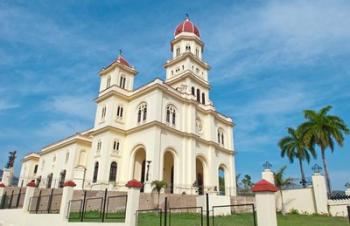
(178, 52)
(122, 82)
(197, 52)
(115, 145)
(113, 172)
(67, 157)
(171, 114)
(203, 98)
(142, 112)
(120, 112)
(221, 136)
(62, 178)
(99, 146)
(188, 48)
(49, 180)
(94, 178)
(193, 91)
(108, 82)
(198, 95)
(221, 175)
(103, 112)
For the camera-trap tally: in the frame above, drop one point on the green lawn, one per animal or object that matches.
(192, 219)
(185, 219)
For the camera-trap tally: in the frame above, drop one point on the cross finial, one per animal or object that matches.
(267, 165)
(187, 16)
(120, 52)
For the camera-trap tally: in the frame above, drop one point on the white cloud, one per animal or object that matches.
(81, 106)
(6, 104)
(278, 34)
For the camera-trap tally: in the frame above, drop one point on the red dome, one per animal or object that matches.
(186, 26)
(122, 60)
(264, 186)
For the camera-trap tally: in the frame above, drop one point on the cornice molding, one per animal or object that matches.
(163, 126)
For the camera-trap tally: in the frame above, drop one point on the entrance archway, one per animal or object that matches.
(200, 176)
(168, 170)
(139, 166)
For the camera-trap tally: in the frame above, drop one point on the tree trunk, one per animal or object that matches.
(303, 179)
(328, 183)
(283, 211)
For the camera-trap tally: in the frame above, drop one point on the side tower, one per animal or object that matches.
(186, 71)
(116, 82)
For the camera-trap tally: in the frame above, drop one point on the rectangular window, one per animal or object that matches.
(35, 169)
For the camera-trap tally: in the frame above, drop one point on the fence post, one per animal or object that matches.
(50, 201)
(265, 203)
(67, 195)
(207, 209)
(38, 202)
(28, 195)
(18, 197)
(83, 208)
(2, 194)
(348, 207)
(132, 205)
(10, 203)
(104, 205)
(165, 211)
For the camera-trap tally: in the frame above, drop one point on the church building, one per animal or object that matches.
(165, 130)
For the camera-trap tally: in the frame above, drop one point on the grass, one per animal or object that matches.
(96, 216)
(193, 219)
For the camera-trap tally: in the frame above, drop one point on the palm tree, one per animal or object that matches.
(293, 146)
(158, 185)
(281, 183)
(323, 130)
(247, 182)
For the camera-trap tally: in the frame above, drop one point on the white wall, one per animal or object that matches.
(339, 207)
(298, 199)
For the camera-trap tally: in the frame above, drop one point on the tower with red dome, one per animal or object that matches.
(186, 70)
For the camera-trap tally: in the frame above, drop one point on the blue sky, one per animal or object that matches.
(270, 60)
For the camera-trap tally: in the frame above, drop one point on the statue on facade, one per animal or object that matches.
(11, 161)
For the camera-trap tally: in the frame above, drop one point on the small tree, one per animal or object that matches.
(247, 182)
(282, 182)
(158, 185)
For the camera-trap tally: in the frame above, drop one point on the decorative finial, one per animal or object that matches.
(187, 16)
(316, 168)
(347, 185)
(267, 165)
(120, 52)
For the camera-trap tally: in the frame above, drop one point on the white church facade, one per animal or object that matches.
(165, 130)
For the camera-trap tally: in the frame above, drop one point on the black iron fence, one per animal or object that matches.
(50, 203)
(106, 208)
(224, 215)
(12, 199)
(234, 215)
(152, 217)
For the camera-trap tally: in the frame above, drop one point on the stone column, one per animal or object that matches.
(132, 202)
(67, 195)
(30, 189)
(265, 201)
(7, 176)
(320, 193)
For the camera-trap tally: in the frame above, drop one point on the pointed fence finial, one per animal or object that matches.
(267, 165)
(316, 169)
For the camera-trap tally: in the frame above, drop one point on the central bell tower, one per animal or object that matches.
(186, 71)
